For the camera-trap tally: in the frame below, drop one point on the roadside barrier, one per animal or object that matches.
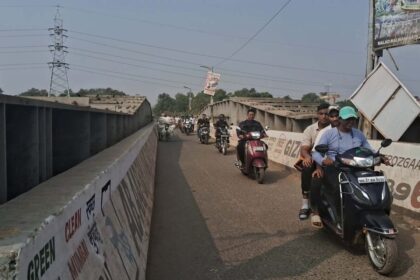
(90, 222)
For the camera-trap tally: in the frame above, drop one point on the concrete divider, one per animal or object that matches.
(90, 222)
(403, 178)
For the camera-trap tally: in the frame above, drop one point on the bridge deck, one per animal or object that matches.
(211, 222)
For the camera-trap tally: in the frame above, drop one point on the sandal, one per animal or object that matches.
(304, 213)
(316, 221)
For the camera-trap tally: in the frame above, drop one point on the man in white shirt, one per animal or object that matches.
(308, 166)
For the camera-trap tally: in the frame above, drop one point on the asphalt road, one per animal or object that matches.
(212, 222)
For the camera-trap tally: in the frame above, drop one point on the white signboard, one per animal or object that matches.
(212, 81)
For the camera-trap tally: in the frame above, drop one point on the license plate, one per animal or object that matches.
(374, 179)
(259, 149)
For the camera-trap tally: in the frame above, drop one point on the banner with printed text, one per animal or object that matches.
(396, 23)
(212, 81)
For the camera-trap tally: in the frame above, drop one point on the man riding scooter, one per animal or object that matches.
(247, 125)
(339, 139)
(220, 124)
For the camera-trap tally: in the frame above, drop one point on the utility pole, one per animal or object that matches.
(189, 98)
(59, 82)
(372, 59)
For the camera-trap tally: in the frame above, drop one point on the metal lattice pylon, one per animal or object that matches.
(59, 82)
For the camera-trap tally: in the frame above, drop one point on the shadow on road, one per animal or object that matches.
(181, 246)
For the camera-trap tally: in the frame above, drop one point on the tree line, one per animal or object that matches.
(180, 103)
(82, 92)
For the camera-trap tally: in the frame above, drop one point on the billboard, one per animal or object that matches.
(212, 81)
(396, 23)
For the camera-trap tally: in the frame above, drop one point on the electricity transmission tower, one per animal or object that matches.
(59, 82)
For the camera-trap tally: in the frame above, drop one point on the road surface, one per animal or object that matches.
(212, 222)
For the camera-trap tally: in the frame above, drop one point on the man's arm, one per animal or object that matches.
(305, 148)
(317, 157)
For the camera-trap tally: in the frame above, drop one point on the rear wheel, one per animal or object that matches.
(383, 253)
(259, 173)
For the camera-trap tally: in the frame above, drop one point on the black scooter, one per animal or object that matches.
(365, 204)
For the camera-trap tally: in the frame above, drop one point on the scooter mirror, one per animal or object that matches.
(323, 149)
(386, 142)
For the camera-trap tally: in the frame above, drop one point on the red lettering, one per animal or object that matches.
(73, 224)
(415, 196)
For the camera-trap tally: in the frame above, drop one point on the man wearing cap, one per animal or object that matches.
(339, 139)
(308, 166)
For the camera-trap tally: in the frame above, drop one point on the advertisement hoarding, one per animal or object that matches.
(212, 81)
(396, 23)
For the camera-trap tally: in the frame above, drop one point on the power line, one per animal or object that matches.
(192, 69)
(256, 33)
(205, 55)
(121, 77)
(200, 31)
(23, 29)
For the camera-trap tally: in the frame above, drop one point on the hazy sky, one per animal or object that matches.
(155, 46)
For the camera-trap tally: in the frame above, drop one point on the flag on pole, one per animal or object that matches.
(212, 81)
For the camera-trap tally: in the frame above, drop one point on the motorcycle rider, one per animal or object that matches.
(202, 122)
(308, 166)
(247, 125)
(221, 123)
(340, 139)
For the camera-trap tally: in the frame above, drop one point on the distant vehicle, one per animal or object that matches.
(222, 144)
(204, 134)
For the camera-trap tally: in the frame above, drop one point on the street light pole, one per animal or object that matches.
(189, 98)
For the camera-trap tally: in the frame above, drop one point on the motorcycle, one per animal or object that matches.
(255, 159)
(222, 143)
(364, 204)
(187, 128)
(164, 132)
(204, 134)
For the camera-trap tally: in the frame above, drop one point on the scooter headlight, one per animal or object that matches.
(363, 161)
(255, 135)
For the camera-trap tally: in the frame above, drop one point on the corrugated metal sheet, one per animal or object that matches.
(386, 102)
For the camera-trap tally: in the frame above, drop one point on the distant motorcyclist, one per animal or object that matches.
(165, 119)
(202, 122)
(245, 126)
(221, 123)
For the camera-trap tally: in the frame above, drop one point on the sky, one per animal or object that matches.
(155, 46)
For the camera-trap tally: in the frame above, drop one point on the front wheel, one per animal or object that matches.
(187, 132)
(224, 150)
(382, 252)
(206, 139)
(259, 173)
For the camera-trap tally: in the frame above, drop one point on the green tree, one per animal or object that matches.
(219, 95)
(250, 93)
(181, 103)
(165, 103)
(345, 103)
(311, 98)
(199, 101)
(34, 92)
